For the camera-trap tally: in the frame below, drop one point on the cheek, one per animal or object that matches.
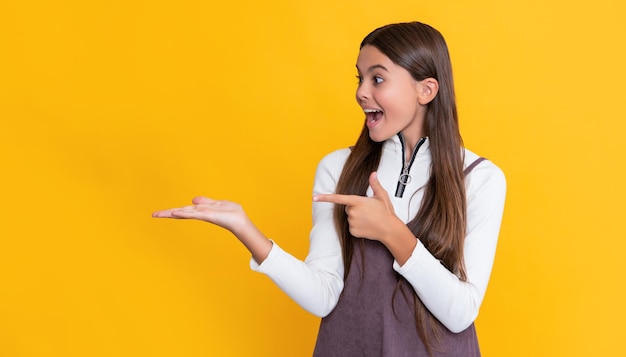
(405, 98)
(396, 101)
(388, 99)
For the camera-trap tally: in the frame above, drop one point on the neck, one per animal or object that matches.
(409, 143)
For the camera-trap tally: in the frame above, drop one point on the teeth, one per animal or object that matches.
(371, 110)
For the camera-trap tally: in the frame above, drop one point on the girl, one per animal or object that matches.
(405, 223)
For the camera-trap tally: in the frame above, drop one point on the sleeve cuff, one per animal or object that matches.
(263, 267)
(418, 251)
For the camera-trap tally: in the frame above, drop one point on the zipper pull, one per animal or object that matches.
(403, 180)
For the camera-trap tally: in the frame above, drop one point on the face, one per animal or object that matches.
(389, 97)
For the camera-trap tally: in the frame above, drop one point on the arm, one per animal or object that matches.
(316, 283)
(454, 302)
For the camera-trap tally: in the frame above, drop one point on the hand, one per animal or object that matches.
(228, 215)
(225, 214)
(368, 217)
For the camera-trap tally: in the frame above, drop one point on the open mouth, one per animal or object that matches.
(372, 115)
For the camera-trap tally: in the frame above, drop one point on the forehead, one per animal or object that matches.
(371, 56)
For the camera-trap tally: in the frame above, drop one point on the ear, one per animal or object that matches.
(427, 90)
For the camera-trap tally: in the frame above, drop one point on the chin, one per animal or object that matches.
(378, 138)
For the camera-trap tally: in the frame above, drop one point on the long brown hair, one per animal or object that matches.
(441, 220)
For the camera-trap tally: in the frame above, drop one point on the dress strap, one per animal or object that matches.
(473, 164)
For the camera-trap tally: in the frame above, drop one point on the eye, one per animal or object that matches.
(359, 79)
(378, 80)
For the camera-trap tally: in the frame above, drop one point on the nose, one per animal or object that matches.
(362, 94)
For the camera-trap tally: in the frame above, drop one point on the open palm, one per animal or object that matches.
(226, 214)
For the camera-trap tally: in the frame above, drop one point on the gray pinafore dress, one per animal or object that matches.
(369, 321)
(363, 324)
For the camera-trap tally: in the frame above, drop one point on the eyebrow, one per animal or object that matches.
(371, 68)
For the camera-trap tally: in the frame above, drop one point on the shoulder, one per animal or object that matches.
(334, 160)
(485, 175)
(330, 167)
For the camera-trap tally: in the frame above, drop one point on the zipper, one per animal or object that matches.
(404, 177)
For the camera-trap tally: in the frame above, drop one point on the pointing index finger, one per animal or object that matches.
(348, 200)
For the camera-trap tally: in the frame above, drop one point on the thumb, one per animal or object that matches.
(378, 189)
(201, 200)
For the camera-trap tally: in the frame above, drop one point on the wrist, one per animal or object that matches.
(253, 239)
(400, 241)
(243, 229)
(395, 230)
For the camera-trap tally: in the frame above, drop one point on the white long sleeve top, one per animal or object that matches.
(316, 283)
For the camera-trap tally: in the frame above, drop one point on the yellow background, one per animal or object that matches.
(112, 109)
